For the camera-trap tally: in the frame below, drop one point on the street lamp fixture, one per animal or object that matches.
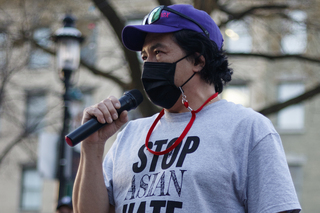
(68, 40)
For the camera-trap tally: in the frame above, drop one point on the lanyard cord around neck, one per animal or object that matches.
(183, 134)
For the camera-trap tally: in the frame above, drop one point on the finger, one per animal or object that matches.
(115, 102)
(107, 109)
(91, 112)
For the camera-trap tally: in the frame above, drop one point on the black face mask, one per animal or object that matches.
(158, 82)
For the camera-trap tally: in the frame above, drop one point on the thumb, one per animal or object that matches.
(122, 119)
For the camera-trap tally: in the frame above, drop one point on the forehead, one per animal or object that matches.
(164, 40)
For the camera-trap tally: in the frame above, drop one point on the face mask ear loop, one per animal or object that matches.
(184, 97)
(185, 101)
(183, 58)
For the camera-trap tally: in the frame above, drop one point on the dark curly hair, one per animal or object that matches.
(216, 70)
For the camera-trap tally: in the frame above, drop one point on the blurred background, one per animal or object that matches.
(273, 47)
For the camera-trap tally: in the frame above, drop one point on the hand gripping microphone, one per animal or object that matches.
(130, 100)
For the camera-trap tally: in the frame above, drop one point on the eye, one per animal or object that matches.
(143, 57)
(157, 52)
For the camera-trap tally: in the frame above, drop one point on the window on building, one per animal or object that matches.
(36, 108)
(296, 174)
(31, 190)
(238, 94)
(39, 58)
(292, 117)
(294, 40)
(237, 37)
(296, 163)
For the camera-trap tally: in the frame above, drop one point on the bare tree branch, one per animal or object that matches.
(268, 110)
(14, 142)
(251, 10)
(165, 2)
(117, 23)
(26, 131)
(205, 5)
(104, 73)
(6, 69)
(276, 57)
(276, 107)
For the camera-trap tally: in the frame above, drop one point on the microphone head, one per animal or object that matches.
(137, 96)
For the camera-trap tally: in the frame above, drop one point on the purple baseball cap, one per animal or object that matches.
(133, 35)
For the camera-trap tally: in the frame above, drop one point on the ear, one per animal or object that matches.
(199, 63)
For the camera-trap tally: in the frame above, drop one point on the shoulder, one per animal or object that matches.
(237, 118)
(236, 112)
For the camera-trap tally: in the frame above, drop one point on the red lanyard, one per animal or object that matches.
(183, 134)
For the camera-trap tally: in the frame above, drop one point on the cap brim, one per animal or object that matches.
(133, 35)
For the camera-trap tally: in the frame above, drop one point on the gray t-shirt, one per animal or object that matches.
(231, 161)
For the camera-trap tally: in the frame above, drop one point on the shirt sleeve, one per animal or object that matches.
(269, 184)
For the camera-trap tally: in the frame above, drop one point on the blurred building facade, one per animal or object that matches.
(32, 108)
(33, 95)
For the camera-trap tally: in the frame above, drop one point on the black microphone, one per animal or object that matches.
(130, 100)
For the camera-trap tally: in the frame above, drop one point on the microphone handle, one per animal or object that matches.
(93, 125)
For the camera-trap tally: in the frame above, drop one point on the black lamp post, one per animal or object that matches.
(68, 41)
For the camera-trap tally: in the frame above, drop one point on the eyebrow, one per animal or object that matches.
(155, 46)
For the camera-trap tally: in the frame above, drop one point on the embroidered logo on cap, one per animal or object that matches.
(165, 15)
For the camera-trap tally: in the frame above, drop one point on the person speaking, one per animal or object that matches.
(200, 153)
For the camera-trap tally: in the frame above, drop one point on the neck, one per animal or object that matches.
(196, 96)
